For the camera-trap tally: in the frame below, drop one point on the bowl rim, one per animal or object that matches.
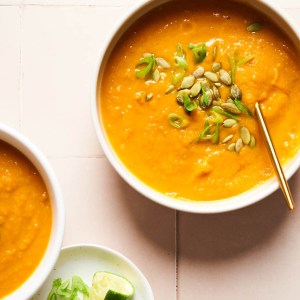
(43, 269)
(245, 199)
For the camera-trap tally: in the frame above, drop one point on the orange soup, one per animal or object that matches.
(25, 218)
(178, 94)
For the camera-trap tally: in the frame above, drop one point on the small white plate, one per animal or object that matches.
(85, 260)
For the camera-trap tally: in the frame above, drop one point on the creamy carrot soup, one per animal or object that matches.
(25, 218)
(178, 95)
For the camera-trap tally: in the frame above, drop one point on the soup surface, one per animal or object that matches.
(172, 138)
(25, 218)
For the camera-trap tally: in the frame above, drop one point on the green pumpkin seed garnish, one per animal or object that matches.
(187, 82)
(177, 121)
(229, 100)
(217, 103)
(227, 139)
(161, 62)
(216, 93)
(170, 89)
(149, 63)
(149, 97)
(217, 84)
(195, 90)
(163, 75)
(238, 145)
(228, 123)
(254, 27)
(244, 109)
(189, 104)
(231, 108)
(231, 147)
(225, 113)
(198, 72)
(235, 92)
(211, 76)
(199, 52)
(216, 67)
(225, 77)
(155, 75)
(252, 142)
(245, 135)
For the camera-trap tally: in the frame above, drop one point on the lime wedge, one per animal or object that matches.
(109, 286)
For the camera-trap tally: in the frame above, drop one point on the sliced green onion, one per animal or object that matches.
(199, 52)
(216, 117)
(203, 136)
(181, 62)
(150, 65)
(205, 97)
(179, 50)
(225, 113)
(233, 65)
(243, 108)
(254, 27)
(189, 104)
(216, 136)
(245, 60)
(177, 121)
(177, 77)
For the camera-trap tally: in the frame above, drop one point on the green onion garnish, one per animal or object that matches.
(150, 65)
(181, 62)
(177, 121)
(225, 113)
(177, 77)
(254, 27)
(245, 60)
(243, 108)
(189, 104)
(216, 136)
(199, 52)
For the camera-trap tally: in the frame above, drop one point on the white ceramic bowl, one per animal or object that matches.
(33, 283)
(84, 260)
(252, 196)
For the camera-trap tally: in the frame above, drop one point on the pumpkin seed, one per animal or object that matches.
(180, 94)
(206, 99)
(238, 145)
(155, 75)
(187, 82)
(170, 89)
(211, 76)
(245, 135)
(231, 147)
(231, 108)
(216, 93)
(228, 123)
(216, 66)
(252, 143)
(195, 90)
(227, 139)
(163, 75)
(215, 52)
(254, 27)
(235, 92)
(229, 100)
(149, 97)
(217, 84)
(147, 55)
(205, 85)
(162, 63)
(217, 103)
(225, 77)
(199, 72)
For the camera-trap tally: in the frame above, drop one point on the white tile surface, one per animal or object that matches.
(10, 65)
(60, 47)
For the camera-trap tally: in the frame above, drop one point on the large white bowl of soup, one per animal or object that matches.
(173, 101)
(31, 216)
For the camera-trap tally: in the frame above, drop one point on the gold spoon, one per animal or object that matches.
(274, 158)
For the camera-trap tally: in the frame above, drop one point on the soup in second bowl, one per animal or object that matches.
(178, 93)
(25, 218)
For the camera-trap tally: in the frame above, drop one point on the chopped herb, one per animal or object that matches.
(233, 65)
(216, 117)
(205, 99)
(244, 109)
(245, 60)
(179, 50)
(204, 136)
(177, 121)
(254, 27)
(225, 113)
(199, 52)
(216, 136)
(189, 104)
(150, 66)
(181, 62)
(177, 77)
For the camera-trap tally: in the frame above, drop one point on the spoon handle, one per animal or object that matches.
(274, 158)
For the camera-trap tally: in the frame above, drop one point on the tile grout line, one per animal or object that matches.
(21, 68)
(176, 253)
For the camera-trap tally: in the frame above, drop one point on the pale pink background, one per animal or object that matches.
(47, 55)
